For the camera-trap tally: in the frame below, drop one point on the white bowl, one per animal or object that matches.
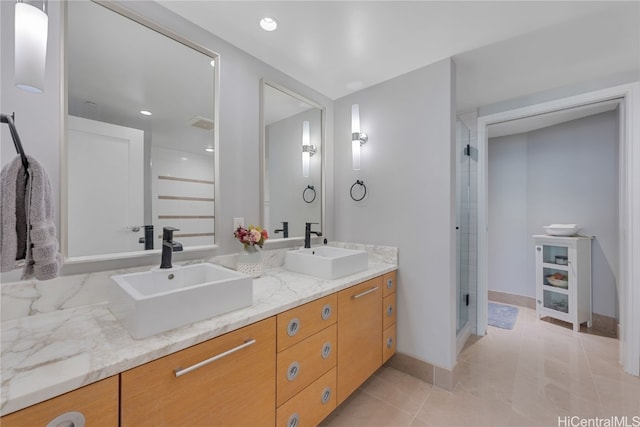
(562, 229)
(564, 284)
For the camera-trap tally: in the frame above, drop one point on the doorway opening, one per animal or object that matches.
(629, 207)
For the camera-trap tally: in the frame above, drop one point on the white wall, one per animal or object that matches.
(407, 166)
(566, 173)
(39, 116)
(509, 249)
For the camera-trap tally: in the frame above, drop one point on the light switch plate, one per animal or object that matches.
(238, 222)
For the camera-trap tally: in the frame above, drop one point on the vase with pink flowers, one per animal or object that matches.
(250, 259)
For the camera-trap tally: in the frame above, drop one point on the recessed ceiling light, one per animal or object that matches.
(268, 24)
(209, 149)
(184, 158)
(145, 112)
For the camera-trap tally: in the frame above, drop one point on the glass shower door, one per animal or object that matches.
(463, 216)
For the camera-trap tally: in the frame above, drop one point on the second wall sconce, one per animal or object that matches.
(358, 138)
(308, 150)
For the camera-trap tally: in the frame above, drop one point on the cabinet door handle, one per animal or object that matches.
(180, 372)
(326, 312)
(293, 327)
(389, 283)
(375, 288)
(326, 395)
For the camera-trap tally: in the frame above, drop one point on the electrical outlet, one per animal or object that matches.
(238, 222)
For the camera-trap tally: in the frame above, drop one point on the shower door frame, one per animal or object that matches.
(629, 195)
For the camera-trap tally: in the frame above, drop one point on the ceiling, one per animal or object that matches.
(502, 49)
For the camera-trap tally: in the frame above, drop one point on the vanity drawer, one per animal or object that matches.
(231, 383)
(97, 402)
(389, 282)
(303, 363)
(388, 343)
(388, 311)
(301, 322)
(311, 405)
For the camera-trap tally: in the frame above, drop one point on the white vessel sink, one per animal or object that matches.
(155, 301)
(326, 262)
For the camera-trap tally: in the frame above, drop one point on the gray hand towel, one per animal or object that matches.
(42, 257)
(13, 176)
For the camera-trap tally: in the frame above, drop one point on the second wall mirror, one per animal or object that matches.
(292, 162)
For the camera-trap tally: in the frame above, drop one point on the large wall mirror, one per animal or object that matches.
(293, 164)
(140, 147)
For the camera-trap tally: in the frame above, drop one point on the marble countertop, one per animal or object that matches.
(49, 354)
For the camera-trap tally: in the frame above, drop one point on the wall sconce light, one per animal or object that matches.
(31, 28)
(308, 150)
(358, 139)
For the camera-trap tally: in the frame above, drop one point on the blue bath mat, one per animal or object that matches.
(502, 316)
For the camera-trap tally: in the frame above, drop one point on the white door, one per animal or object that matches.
(105, 187)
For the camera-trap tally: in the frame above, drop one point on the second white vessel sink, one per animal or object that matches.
(326, 262)
(155, 301)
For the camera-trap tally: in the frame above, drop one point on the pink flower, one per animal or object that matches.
(254, 235)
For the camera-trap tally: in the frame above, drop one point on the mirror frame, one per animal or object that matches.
(296, 240)
(136, 256)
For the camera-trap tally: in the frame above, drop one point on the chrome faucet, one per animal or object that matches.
(308, 233)
(284, 229)
(169, 246)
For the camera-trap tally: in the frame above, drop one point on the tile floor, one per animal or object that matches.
(528, 376)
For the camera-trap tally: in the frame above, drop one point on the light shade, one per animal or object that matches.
(305, 149)
(31, 28)
(355, 118)
(357, 138)
(355, 154)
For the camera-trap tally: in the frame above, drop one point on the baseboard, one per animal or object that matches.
(425, 371)
(607, 325)
(512, 299)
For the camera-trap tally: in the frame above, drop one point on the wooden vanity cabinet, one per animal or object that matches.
(359, 335)
(97, 402)
(236, 389)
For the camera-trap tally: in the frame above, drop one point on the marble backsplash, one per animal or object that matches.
(33, 297)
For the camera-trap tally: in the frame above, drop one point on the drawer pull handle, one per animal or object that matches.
(390, 310)
(294, 420)
(389, 342)
(73, 419)
(326, 312)
(326, 395)
(389, 283)
(326, 350)
(293, 371)
(375, 288)
(180, 372)
(293, 327)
